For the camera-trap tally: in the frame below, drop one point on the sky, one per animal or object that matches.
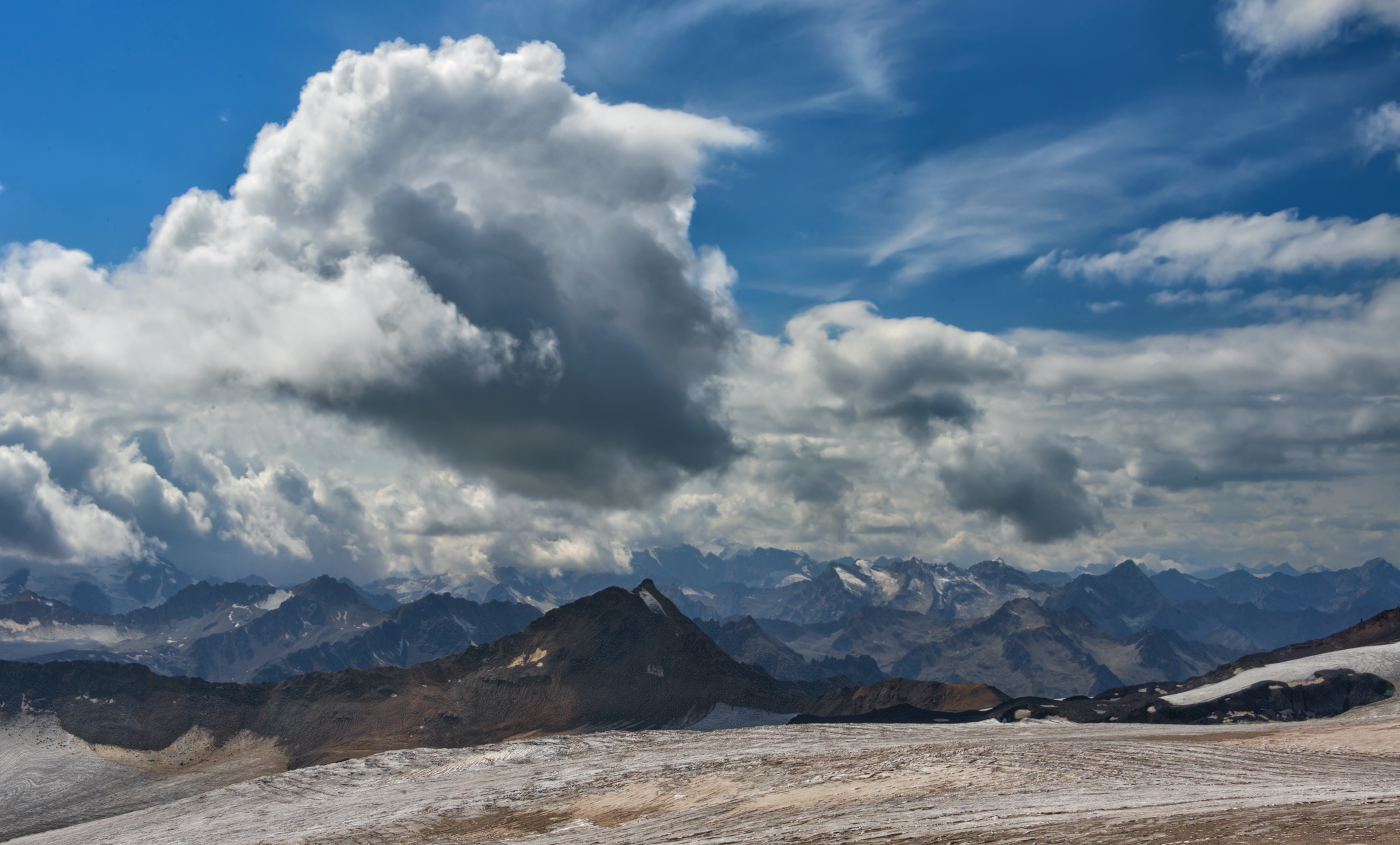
(435, 287)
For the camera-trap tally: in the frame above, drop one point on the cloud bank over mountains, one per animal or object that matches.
(451, 316)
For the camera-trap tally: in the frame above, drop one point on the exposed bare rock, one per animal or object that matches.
(927, 695)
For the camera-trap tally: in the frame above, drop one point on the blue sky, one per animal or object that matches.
(1064, 283)
(113, 109)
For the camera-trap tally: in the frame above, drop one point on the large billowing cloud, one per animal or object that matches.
(451, 244)
(1276, 28)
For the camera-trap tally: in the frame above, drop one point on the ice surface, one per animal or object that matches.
(985, 783)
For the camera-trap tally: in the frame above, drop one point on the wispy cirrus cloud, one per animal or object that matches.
(846, 48)
(1015, 195)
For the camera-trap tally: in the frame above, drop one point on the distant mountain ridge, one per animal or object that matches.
(114, 588)
(906, 616)
(238, 632)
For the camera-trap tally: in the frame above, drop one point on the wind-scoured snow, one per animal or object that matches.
(1382, 660)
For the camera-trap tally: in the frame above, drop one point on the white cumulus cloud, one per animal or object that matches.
(444, 258)
(1219, 250)
(43, 521)
(1379, 132)
(1275, 28)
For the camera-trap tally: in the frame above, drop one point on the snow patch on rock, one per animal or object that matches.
(1382, 660)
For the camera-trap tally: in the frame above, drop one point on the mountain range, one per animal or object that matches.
(239, 632)
(815, 625)
(614, 659)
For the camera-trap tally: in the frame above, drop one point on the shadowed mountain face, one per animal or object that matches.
(614, 659)
(1022, 649)
(1124, 601)
(319, 611)
(746, 642)
(1028, 650)
(1362, 591)
(434, 626)
(881, 632)
(1120, 601)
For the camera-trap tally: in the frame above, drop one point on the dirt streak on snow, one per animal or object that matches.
(1046, 782)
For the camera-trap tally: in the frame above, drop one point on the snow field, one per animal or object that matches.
(834, 783)
(1382, 660)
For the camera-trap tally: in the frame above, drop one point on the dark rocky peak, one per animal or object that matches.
(86, 595)
(1001, 573)
(1018, 615)
(622, 652)
(1127, 574)
(1379, 567)
(153, 577)
(765, 565)
(378, 601)
(912, 566)
(1119, 601)
(614, 628)
(14, 582)
(1178, 586)
(327, 591)
(254, 580)
(658, 603)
